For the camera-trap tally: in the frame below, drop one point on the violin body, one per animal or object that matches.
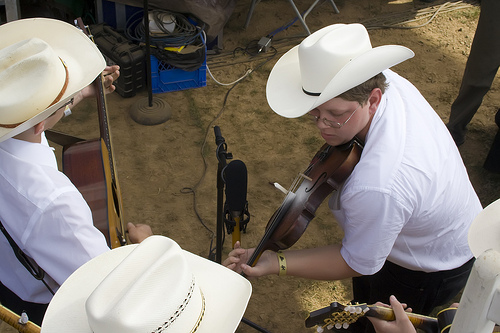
(327, 171)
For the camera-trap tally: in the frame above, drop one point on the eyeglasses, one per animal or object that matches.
(332, 123)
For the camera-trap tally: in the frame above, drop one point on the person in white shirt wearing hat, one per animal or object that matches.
(154, 286)
(45, 65)
(407, 205)
(481, 288)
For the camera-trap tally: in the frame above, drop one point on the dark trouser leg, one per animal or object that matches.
(492, 162)
(35, 311)
(481, 68)
(421, 291)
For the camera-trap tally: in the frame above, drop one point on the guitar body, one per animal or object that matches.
(87, 165)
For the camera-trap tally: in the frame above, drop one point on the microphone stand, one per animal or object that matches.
(222, 157)
(151, 110)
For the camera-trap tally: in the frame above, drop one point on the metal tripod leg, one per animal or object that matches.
(300, 17)
(250, 12)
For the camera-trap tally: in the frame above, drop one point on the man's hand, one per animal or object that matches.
(402, 323)
(138, 232)
(238, 257)
(110, 74)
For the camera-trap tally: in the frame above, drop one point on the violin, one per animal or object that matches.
(326, 172)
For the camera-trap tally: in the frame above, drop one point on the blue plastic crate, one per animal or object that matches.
(166, 78)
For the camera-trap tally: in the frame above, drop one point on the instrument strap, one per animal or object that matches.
(33, 268)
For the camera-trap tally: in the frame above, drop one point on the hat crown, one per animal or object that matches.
(323, 54)
(31, 77)
(30, 94)
(326, 64)
(152, 290)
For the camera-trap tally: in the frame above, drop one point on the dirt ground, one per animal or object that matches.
(167, 172)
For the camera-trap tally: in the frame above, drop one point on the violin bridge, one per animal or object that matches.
(305, 177)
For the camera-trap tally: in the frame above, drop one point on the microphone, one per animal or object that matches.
(235, 177)
(219, 139)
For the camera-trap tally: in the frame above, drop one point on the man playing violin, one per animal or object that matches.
(407, 205)
(45, 66)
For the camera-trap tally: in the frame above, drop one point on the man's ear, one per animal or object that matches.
(374, 99)
(39, 128)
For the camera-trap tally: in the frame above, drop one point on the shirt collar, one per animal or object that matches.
(38, 153)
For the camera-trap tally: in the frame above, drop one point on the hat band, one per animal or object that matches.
(63, 89)
(57, 99)
(181, 308)
(310, 93)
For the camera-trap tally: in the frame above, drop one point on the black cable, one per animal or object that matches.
(179, 43)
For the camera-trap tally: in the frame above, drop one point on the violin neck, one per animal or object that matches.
(266, 243)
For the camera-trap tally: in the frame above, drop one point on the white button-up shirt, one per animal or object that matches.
(409, 199)
(46, 216)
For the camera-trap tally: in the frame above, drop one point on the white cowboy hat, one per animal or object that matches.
(484, 233)
(327, 63)
(154, 286)
(42, 61)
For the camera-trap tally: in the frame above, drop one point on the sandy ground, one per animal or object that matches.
(167, 172)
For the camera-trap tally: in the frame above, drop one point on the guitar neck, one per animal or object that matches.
(12, 319)
(339, 315)
(425, 323)
(103, 122)
(101, 107)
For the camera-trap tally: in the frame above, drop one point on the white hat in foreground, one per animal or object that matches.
(326, 64)
(43, 64)
(484, 233)
(151, 287)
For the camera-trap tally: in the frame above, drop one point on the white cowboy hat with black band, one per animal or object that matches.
(154, 286)
(326, 64)
(43, 64)
(484, 232)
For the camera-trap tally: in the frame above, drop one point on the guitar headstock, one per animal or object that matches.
(336, 315)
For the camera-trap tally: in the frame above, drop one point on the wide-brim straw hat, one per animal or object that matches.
(151, 287)
(484, 233)
(42, 61)
(326, 64)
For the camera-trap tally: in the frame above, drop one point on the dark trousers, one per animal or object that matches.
(35, 311)
(492, 162)
(482, 65)
(421, 291)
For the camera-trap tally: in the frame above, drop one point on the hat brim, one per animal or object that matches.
(284, 87)
(83, 59)
(484, 233)
(226, 294)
